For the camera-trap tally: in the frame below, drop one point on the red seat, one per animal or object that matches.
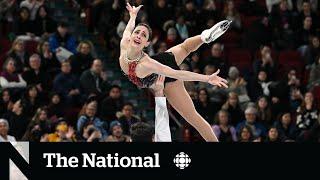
(241, 59)
(231, 37)
(4, 45)
(247, 21)
(316, 94)
(31, 46)
(290, 59)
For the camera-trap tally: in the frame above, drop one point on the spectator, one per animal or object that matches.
(215, 59)
(63, 133)
(32, 100)
(117, 134)
(172, 38)
(18, 122)
(205, 107)
(310, 5)
(44, 23)
(164, 13)
(303, 35)
(49, 61)
(19, 55)
(62, 38)
(281, 19)
(230, 13)
(182, 27)
(224, 131)
(306, 11)
(90, 117)
(35, 75)
(91, 80)
(39, 125)
(233, 108)
(112, 104)
(142, 132)
(259, 85)
(264, 112)
(238, 85)
(312, 51)
(258, 129)
(265, 63)
(123, 23)
(67, 85)
(10, 79)
(209, 12)
(33, 6)
(260, 32)
(23, 25)
(5, 102)
(90, 133)
(314, 77)
(307, 116)
(286, 127)
(127, 119)
(271, 3)
(56, 107)
(8, 11)
(4, 129)
(82, 60)
(273, 135)
(245, 134)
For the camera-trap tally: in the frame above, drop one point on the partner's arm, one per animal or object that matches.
(162, 128)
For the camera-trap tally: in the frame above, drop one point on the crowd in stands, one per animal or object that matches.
(270, 57)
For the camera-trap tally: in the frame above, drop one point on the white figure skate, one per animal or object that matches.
(215, 31)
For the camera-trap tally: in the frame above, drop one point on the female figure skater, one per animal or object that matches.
(143, 70)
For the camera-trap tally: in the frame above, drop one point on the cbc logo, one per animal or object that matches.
(182, 160)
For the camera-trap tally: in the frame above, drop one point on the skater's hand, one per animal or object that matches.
(214, 79)
(158, 86)
(133, 11)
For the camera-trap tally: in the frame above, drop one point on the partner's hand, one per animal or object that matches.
(158, 86)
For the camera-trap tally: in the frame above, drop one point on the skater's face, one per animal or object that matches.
(140, 37)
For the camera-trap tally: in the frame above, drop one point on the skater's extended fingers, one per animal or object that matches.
(223, 84)
(128, 4)
(217, 72)
(162, 78)
(223, 80)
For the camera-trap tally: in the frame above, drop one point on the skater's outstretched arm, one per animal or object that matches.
(151, 66)
(133, 11)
